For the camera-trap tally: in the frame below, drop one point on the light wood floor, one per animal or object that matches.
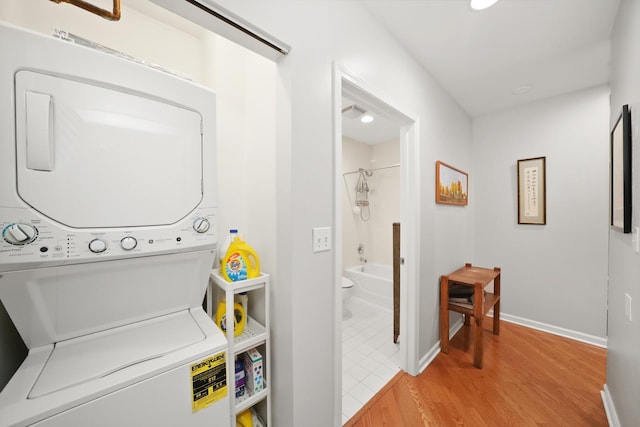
(530, 378)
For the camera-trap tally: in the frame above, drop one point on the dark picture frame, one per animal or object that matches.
(452, 185)
(620, 178)
(532, 191)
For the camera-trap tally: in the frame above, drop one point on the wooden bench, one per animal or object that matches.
(478, 278)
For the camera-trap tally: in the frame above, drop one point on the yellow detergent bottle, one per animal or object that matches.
(239, 318)
(240, 262)
(244, 419)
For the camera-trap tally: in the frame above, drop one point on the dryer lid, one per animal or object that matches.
(94, 156)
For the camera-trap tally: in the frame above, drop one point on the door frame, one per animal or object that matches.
(345, 81)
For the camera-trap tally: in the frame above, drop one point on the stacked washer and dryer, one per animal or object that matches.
(108, 221)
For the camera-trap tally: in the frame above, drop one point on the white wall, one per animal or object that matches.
(623, 358)
(177, 49)
(555, 274)
(384, 200)
(245, 86)
(303, 297)
(355, 155)
(447, 229)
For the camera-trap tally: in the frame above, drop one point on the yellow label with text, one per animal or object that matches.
(208, 381)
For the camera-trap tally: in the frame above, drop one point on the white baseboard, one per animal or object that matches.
(426, 360)
(556, 330)
(433, 352)
(609, 408)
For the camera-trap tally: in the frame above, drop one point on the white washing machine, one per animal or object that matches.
(108, 222)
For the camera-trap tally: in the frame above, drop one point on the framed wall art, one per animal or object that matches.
(621, 172)
(532, 193)
(452, 185)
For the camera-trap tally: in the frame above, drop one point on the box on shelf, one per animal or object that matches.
(240, 378)
(254, 380)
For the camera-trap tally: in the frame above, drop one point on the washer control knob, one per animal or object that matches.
(97, 246)
(201, 225)
(128, 243)
(19, 234)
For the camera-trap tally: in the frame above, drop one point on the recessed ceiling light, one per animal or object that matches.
(482, 4)
(366, 118)
(521, 89)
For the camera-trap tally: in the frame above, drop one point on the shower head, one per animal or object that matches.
(367, 172)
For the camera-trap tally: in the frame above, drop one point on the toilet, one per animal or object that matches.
(347, 290)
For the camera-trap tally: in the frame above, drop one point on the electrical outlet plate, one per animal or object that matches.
(321, 239)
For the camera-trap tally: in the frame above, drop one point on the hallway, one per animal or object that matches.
(530, 378)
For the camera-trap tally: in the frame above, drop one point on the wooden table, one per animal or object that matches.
(478, 278)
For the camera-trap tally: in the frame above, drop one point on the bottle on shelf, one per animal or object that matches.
(222, 250)
(239, 317)
(240, 261)
(245, 419)
(243, 299)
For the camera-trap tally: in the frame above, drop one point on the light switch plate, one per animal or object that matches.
(636, 239)
(321, 239)
(627, 306)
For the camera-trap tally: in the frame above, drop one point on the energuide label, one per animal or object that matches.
(208, 381)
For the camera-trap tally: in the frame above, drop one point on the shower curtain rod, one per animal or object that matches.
(374, 169)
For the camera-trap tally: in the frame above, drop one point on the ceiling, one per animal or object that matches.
(481, 58)
(515, 52)
(380, 130)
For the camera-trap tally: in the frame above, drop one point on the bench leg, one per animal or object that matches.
(444, 314)
(478, 344)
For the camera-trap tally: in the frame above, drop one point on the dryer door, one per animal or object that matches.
(90, 156)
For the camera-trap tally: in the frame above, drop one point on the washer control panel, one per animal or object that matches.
(19, 233)
(28, 240)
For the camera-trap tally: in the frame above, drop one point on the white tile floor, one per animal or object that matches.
(369, 356)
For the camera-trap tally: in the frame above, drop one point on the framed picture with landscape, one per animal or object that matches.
(532, 192)
(621, 172)
(452, 185)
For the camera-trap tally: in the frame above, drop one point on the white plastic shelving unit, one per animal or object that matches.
(255, 335)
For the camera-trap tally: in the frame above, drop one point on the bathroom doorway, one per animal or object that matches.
(375, 186)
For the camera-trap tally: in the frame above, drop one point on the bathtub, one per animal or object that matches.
(373, 283)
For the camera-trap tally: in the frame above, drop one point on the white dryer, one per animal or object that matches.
(108, 222)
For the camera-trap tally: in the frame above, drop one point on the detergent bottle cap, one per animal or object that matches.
(233, 233)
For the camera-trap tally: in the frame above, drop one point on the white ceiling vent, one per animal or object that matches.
(353, 111)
